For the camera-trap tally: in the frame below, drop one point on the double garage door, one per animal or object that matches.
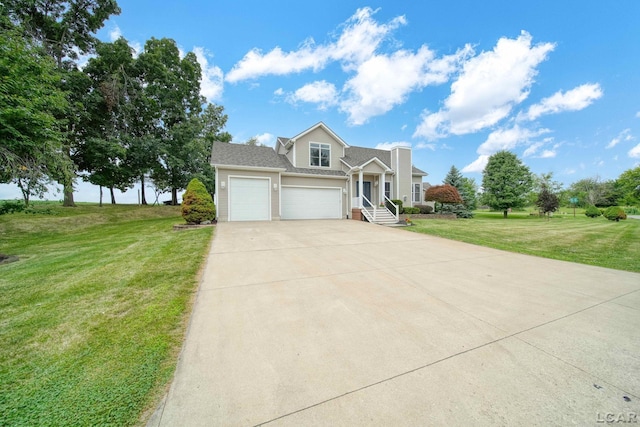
(250, 200)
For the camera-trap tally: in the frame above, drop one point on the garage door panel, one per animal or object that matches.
(311, 203)
(249, 199)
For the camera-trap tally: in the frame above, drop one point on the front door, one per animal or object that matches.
(366, 190)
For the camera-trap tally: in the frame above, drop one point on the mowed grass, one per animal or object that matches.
(93, 314)
(594, 241)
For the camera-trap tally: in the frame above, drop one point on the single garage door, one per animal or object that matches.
(249, 199)
(311, 203)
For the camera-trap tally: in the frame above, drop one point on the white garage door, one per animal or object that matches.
(249, 199)
(311, 203)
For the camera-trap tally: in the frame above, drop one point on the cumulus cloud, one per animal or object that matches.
(266, 139)
(635, 152)
(390, 145)
(488, 88)
(532, 149)
(384, 81)
(378, 82)
(507, 139)
(625, 135)
(212, 81)
(115, 33)
(573, 100)
(321, 92)
(547, 154)
(360, 37)
(477, 165)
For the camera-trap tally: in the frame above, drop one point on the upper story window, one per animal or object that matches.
(319, 154)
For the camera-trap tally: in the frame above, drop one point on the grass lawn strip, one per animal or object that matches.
(93, 315)
(593, 241)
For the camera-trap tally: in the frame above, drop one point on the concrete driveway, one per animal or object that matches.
(348, 323)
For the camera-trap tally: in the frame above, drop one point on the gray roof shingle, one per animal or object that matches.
(355, 156)
(224, 153)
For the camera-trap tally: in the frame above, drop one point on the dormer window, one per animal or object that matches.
(319, 154)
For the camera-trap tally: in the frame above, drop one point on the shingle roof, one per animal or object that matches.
(310, 171)
(355, 156)
(416, 171)
(224, 153)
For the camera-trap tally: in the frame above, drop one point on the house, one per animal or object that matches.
(314, 175)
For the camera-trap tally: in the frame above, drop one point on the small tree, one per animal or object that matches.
(443, 194)
(197, 204)
(547, 202)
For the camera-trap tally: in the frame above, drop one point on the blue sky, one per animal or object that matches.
(556, 82)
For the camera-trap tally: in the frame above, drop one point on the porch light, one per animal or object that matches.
(223, 184)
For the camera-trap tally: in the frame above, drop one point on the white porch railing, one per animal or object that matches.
(395, 213)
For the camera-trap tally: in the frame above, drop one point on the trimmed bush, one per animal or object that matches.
(424, 209)
(411, 210)
(615, 213)
(197, 204)
(592, 212)
(392, 209)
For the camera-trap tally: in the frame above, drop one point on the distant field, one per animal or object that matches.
(593, 241)
(93, 315)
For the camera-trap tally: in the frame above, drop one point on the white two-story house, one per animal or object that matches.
(314, 175)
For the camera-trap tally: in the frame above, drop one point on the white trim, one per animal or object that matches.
(307, 175)
(379, 162)
(229, 177)
(326, 128)
(294, 155)
(319, 166)
(311, 186)
(249, 168)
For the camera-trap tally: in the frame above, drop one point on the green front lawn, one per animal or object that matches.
(94, 312)
(593, 241)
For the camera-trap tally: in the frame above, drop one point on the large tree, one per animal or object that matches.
(443, 194)
(628, 187)
(64, 29)
(172, 92)
(506, 181)
(30, 99)
(594, 192)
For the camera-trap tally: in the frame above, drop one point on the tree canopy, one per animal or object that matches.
(506, 181)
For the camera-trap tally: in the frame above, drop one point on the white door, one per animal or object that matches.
(311, 203)
(249, 199)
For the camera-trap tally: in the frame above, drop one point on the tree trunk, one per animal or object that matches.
(101, 196)
(504, 214)
(68, 195)
(113, 196)
(144, 198)
(174, 196)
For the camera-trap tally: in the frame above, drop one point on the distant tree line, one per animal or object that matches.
(508, 184)
(119, 120)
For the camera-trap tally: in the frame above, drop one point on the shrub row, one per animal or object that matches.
(11, 206)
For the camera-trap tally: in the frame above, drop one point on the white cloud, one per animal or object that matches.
(424, 145)
(569, 171)
(477, 165)
(115, 33)
(390, 145)
(279, 92)
(547, 154)
(384, 81)
(266, 139)
(488, 88)
(638, 114)
(635, 152)
(507, 139)
(625, 135)
(573, 100)
(360, 37)
(212, 82)
(532, 149)
(321, 92)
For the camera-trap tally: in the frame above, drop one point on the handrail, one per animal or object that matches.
(370, 204)
(396, 213)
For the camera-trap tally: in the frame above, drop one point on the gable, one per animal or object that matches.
(318, 135)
